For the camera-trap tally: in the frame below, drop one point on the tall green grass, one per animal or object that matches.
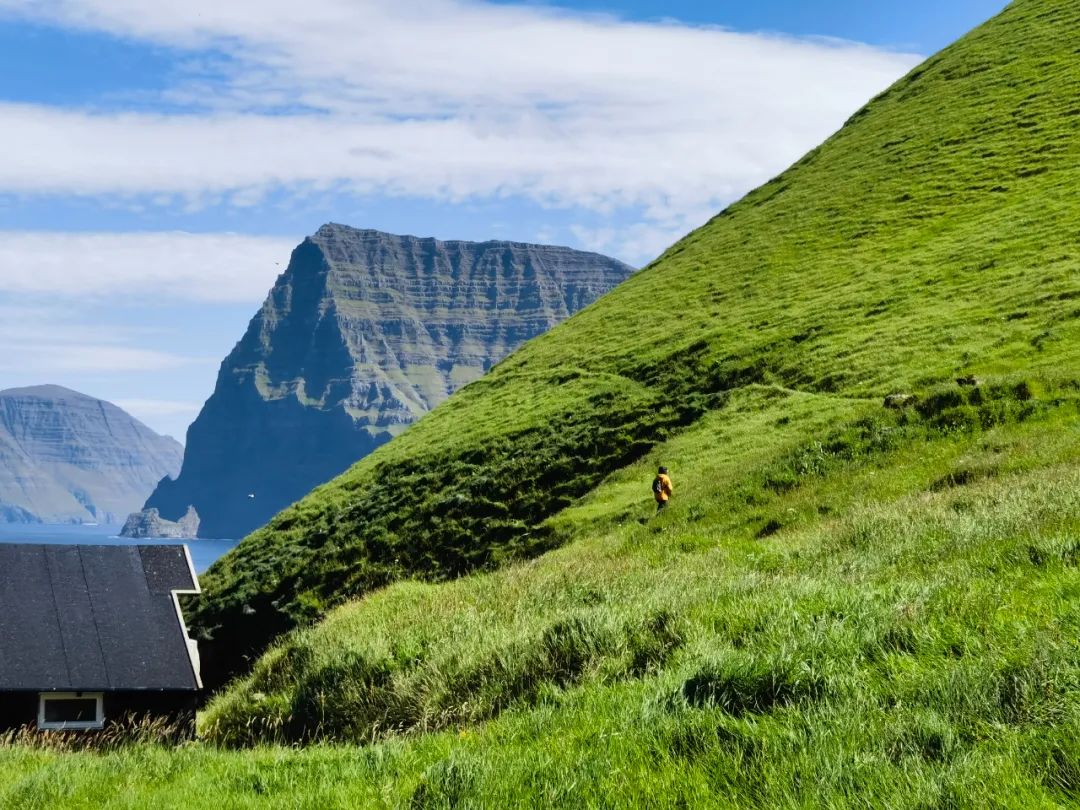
(912, 645)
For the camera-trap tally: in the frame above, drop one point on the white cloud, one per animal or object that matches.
(158, 407)
(643, 240)
(444, 99)
(45, 340)
(141, 266)
(69, 358)
(171, 417)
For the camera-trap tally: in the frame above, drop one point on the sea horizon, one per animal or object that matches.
(203, 551)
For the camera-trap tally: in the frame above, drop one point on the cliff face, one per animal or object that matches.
(362, 335)
(66, 457)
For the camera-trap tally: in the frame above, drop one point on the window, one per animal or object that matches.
(70, 710)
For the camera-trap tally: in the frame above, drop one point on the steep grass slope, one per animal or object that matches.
(816, 527)
(934, 236)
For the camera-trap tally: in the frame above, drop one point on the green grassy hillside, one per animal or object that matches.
(884, 616)
(934, 236)
(845, 605)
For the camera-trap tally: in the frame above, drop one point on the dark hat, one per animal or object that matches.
(662, 471)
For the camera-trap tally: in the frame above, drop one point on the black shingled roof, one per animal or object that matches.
(94, 618)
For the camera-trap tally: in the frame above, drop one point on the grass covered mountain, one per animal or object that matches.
(69, 458)
(929, 239)
(846, 604)
(361, 335)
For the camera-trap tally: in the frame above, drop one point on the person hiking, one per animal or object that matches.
(661, 487)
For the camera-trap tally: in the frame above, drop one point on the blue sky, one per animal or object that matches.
(161, 160)
(922, 26)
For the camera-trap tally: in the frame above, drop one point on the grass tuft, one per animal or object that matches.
(740, 684)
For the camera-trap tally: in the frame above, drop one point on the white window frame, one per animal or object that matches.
(74, 725)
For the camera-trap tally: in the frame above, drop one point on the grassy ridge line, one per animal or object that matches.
(922, 242)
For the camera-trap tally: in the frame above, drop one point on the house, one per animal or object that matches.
(90, 634)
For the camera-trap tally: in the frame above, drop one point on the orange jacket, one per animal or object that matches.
(665, 490)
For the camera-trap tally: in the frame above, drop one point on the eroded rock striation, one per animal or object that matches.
(69, 458)
(363, 334)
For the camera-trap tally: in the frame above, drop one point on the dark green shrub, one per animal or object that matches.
(1063, 767)
(925, 736)
(446, 784)
(651, 643)
(964, 476)
(746, 685)
(345, 700)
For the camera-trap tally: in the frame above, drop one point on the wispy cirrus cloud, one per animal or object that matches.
(158, 407)
(50, 358)
(162, 412)
(637, 131)
(416, 58)
(48, 339)
(171, 266)
(446, 99)
(57, 290)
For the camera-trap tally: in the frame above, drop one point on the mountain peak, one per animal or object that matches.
(68, 457)
(363, 334)
(333, 231)
(46, 391)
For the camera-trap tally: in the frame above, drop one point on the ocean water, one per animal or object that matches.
(203, 552)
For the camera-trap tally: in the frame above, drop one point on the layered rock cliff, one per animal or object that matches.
(69, 458)
(361, 335)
